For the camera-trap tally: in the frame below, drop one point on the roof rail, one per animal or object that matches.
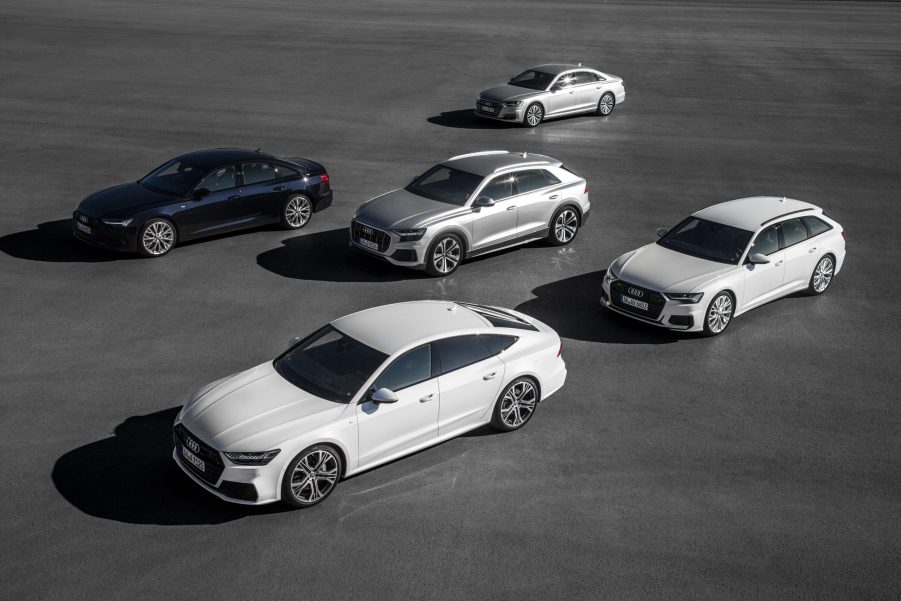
(518, 165)
(778, 217)
(478, 154)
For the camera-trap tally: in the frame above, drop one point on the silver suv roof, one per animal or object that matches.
(491, 161)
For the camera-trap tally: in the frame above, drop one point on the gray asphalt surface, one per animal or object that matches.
(762, 464)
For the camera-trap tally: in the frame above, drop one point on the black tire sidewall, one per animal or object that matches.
(430, 265)
(284, 218)
(139, 243)
(288, 496)
(707, 330)
(496, 422)
(552, 235)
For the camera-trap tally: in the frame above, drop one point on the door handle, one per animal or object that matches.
(778, 263)
(555, 197)
(278, 188)
(810, 250)
(235, 197)
(489, 376)
(511, 208)
(427, 398)
(573, 92)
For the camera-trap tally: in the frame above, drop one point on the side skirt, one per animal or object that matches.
(539, 235)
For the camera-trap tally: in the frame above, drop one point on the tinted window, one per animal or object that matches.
(767, 242)
(459, 351)
(585, 77)
(220, 179)
(793, 231)
(410, 368)
(534, 179)
(282, 171)
(498, 343)
(499, 188)
(815, 225)
(329, 364)
(534, 80)
(445, 184)
(255, 173)
(175, 177)
(707, 240)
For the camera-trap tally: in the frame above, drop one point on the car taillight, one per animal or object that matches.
(560, 350)
(585, 191)
(324, 178)
(843, 234)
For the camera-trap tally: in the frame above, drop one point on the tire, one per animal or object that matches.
(296, 212)
(444, 255)
(564, 226)
(533, 116)
(156, 238)
(298, 490)
(719, 314)
(821, 276)
(516, 405)
(606, 104)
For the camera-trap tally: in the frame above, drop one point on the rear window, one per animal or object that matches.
(497, 343)
(460, 351)
(500, 319)
(815, 225)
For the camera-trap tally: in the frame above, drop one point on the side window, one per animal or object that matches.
(565, 81)
(498, 343)
(254, 173)
(499, 188)
(585, 77)
(793, 231)
(460, 351)
(220, 179)
(815, 225)
(410, 368)
(767, 242)
(282, 171)
(534, 179)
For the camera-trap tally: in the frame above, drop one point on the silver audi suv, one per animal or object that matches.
(551, 91)
(470, 205)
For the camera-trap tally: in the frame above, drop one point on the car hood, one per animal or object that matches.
(508, 93)
(121, 200)
(255, 410)
(665, 270)
(404, 210)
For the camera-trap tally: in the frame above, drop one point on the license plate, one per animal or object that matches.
(197, 461)
(488, 109)
(628, 300)
(83, 227)
(368, 244)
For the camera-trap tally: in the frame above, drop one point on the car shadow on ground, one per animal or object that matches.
(53, 241)
(131, 477)
(572, 307)
(467, 119)
(326, 256)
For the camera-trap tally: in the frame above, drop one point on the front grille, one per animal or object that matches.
(210, 456)
(654, 299)
(359, 231)
(482, 105)
(81, 217)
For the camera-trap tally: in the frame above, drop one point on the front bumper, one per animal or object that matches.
(685, 317)
(499, 112)
(390, 248)
(104, 236)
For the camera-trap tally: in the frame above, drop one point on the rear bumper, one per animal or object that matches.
(323, 202)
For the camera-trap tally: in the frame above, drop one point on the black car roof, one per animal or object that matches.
(207, 159)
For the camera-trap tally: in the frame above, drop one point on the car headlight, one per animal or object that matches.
(410, 235)
(684, 297)
(513, 103)
(260, 458)
(117, 222)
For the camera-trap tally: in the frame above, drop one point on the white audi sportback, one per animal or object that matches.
(725, 260)
(361, 391)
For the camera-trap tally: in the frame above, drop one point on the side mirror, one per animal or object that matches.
(383, 395)
(759, 259)
(661, 232)
(483, 201)
(556, 87)
(201, 193)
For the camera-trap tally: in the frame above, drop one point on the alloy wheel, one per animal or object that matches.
(534, 114)
(566, 225)
(719, 313)
(298, 211)
(822, 275)
(446, 255)
(606, 104)
(314, 476)
(158, 238)
(518, 404)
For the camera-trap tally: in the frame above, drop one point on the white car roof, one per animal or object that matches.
(390, 328)
(750, 213)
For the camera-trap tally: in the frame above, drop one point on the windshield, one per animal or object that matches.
(534, 80)
(446, 185)
(329, 364)
(175, 177)
(707, 240)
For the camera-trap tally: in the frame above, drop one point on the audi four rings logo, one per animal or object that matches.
(82, 219)
(367, 230)
(635, 292)
(192, 444)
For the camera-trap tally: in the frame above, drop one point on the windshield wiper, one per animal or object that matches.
(155, 189)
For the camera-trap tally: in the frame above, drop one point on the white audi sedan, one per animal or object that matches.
(725, 260)
(363, 390)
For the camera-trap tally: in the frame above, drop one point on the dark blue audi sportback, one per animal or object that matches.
(202, 194)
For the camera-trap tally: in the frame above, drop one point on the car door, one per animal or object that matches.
(387, 429)
(562, 97)
(763, 280)
(495, 224)
(261, 196)
(800, 253)
(537, 196)
(588, 90)
(214, 211)
(471, 377)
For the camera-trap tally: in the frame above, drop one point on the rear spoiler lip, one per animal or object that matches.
(309, 167)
